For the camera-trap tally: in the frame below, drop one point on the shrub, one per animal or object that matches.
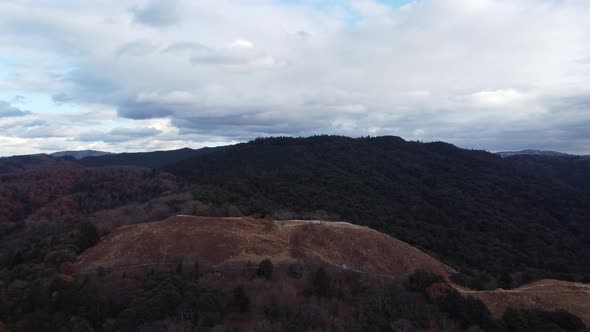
(437, 290)
(321, 283)
(269, 225)
(296, 271)
(467, 310)
(265, 269)
(66, 268)
(505, 280)
(517, 320)
(421, 279)
(241, 299)
(88, 236)
(100, 271)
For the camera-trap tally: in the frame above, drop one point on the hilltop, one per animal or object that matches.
(219, 241)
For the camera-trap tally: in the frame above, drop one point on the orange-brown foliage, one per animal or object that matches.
(66, 268)
(437, 290)
(3, 327)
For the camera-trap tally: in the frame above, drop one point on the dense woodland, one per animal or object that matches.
(472, 209)
(500, 221)
(572, 170)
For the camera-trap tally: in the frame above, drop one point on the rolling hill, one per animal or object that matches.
(219, 241)
(226, 245)
(26, 162)
(542, 294)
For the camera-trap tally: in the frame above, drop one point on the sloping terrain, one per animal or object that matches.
(155, 159)
(571, 170)
(217, 241)
(27, 162)
(222, 242)
(473, 208)
(66, 191)
(542, 294)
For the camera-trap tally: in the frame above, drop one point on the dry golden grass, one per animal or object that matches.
(218, 241)
(226, 242)
(543, 294)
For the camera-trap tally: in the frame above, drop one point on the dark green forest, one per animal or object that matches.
(472, 209)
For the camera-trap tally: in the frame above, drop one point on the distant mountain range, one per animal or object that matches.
(79, 154)
(534, 153)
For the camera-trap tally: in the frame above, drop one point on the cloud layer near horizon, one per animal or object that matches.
(144, 75)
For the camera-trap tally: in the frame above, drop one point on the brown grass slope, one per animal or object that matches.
(224, 242)
(543, 294)
(219, 241)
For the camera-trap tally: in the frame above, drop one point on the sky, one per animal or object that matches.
(147, 75)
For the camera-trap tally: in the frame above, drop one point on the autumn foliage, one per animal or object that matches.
(437, 291)
(67, 192)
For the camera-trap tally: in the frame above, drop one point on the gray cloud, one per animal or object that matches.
(7, 110)
(143, 110)
(118, 135)
(488, 74)
(183, 47)
(157, 13)
(135, 48)
(18, 99)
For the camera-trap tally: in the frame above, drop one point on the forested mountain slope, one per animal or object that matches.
(156, 159)
(572, 170)
(470, 208)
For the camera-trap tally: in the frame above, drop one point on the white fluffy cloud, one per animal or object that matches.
(491, 74)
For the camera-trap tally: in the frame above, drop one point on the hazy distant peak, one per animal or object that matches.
(531, 152)
(80, 154)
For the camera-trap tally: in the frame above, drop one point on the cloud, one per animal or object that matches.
(238, 54)
(157, 13)
(18, 99)
(489, 74)
(6, 110)
(496, 98)
(183, 47)
(135, 48)
(139, 110)
(118, 135)
(241, 43)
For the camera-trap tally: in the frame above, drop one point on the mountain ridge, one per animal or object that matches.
(79, 154)
(533, 152)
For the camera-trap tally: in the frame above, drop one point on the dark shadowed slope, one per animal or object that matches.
(471, 208)
(572, 170)
(27, 162)
(156, 159)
